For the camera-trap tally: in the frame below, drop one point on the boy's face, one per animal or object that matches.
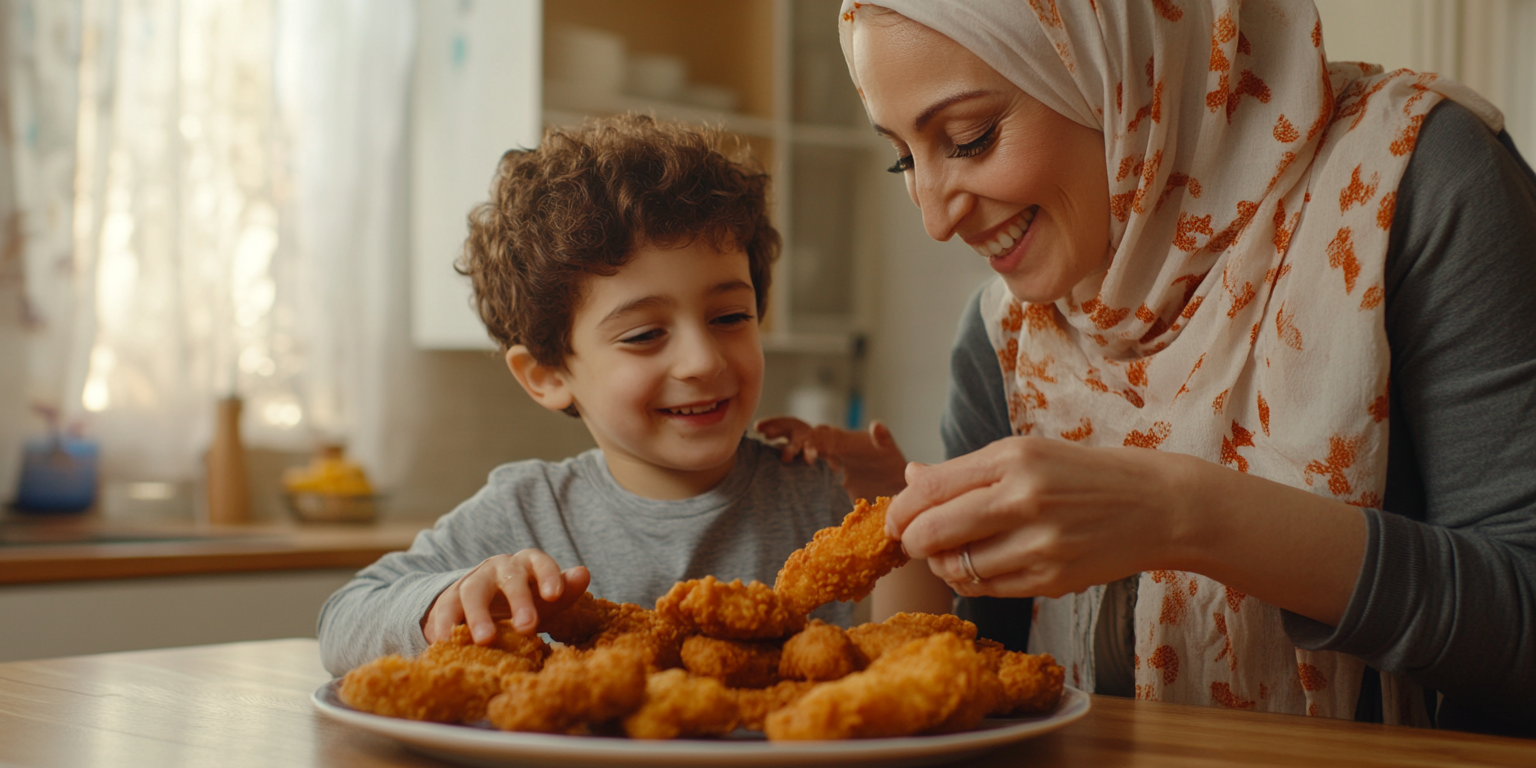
(667, 367)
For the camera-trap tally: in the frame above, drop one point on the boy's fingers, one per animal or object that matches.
(576, 582)
(475, 597)
(445, 613)
(546, 572)
(521, 600)
(880, 435)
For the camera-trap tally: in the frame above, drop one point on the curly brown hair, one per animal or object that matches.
(586, 201)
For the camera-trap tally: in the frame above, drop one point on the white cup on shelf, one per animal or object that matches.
(715, 97)
(656, 76)
(585, 65)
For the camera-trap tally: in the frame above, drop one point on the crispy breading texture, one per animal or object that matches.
(680, 705)
(508, 652)
(1032, 683)
(585, 618)
(755, 704)
(821, 651)
(920, 687)
(420, 689)
(875, 639)
(842, 563)
(575, 690)
(735, 663)
(733, 611)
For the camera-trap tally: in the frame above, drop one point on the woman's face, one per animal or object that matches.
(1022, 185)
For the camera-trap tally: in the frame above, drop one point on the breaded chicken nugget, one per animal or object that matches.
(584, 619)
(509, 652)
(658, 642)
(875, 639)
(733, 611)
(420, 689)
(755, 704)
(575, 690)
(1032, 683)
(735, 663)
(821, 652)
(841, 563)
(912, 689)
(680, 705)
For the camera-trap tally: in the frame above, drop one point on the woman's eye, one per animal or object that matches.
(976, 147)
(903, 164)
(644, 337)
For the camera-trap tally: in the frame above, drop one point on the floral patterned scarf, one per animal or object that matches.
(1252, 189)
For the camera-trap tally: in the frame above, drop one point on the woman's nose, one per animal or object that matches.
(943, 205)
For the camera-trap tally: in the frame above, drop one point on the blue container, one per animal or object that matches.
(58, 477)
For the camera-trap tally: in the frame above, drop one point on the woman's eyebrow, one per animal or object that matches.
(936, 108)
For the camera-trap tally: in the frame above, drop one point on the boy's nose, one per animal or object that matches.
(699, 357)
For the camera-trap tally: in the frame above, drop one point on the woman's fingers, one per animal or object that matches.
(976, 514)
(930, 485)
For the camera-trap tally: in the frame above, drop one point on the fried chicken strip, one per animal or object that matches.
(680, 705)
(841, 563)
(576, 689)
(732, 611)
(450, 681)
(821, 652)
(875, 639)
(919, 687)
(419, 689)
(755, 704)
(735, 663)
(1032, 683)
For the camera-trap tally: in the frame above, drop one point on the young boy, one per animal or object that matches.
(622, 268)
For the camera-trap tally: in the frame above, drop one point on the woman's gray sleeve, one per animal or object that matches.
(1447, 592)
(977, 411)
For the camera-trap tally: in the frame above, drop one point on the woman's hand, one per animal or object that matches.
(1041, 517)
(871, 463)
(1047, 517)
(502, 587)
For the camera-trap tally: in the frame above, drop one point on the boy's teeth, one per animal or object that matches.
(692, 409)
(1009, 237)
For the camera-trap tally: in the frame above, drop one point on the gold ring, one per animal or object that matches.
(965, 562)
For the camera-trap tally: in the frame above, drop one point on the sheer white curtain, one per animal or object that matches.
(232, 221)
(39, 54)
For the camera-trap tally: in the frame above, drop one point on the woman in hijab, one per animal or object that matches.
(1251, 409)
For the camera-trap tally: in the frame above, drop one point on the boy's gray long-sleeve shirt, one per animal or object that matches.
(636, 548)
(1447, 592)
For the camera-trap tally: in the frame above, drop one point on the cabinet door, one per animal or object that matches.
(475, 95)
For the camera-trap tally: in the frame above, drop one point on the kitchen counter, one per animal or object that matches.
(34, 552)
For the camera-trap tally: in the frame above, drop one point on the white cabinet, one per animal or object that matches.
(475, 94)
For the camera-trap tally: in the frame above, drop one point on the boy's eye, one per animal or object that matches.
(643, 337)
(735, 318)
(903, 164)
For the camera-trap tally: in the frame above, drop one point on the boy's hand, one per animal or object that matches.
(871, 463)
(501, 587)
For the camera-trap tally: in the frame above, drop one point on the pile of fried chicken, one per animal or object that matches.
(716, 656)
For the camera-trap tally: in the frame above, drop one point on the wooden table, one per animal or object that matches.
(247, 704)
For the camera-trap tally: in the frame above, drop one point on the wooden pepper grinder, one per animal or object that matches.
(229, 496)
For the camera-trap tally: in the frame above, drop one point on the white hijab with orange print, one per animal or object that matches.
(1252, 188)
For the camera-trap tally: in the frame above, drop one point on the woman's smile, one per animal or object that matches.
(1006, 244)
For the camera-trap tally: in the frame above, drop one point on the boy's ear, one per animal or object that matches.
(547, 386)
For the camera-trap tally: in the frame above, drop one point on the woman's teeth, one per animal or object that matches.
(1011, 234)
(689, 410)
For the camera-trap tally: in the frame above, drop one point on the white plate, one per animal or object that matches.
(471, 745)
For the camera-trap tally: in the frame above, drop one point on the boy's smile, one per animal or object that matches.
(667, 367)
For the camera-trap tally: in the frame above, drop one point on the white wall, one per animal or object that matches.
(920, 288)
